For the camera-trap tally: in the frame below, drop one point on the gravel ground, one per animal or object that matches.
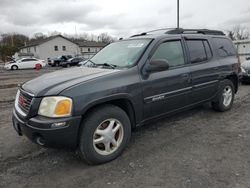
(198, 148)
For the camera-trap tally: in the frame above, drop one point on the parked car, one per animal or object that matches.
(130, 83)
(84, 63)
(58, 60)
(72, 62)
(245, 67)
(24, 63)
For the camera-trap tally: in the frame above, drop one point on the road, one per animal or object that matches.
(197, 148)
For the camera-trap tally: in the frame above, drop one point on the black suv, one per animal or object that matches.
(128, 83)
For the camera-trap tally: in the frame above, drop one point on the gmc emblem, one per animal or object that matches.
(22, 101)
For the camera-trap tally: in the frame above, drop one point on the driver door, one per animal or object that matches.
(169, 90)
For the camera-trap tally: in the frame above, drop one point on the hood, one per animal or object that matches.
(55, 82)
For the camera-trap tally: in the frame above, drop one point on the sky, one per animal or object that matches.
(119, 18)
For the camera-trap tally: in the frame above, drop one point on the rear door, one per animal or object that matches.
(204, 68)
(169, 90)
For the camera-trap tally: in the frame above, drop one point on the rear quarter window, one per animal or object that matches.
(224, 47)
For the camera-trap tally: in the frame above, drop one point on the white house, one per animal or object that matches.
(243, 47)
(58, 45)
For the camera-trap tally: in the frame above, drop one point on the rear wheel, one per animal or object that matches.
(225, 97)
(105, 133)
(14, 67)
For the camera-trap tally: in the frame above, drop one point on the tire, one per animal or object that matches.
(97, 123)
(14, 67)
(68, 65)
(225, 97)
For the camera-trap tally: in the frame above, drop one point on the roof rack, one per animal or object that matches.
(191, 31)
(182, 31)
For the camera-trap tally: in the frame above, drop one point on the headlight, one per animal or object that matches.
(243, 70)
(55, 107)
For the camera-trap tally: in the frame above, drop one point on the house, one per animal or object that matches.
(90, 48)
(243, 47)
(58, 45)
(50, 47)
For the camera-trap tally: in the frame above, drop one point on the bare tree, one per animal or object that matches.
(239, 33)
(105, 38)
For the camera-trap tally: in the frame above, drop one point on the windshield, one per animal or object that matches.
(122, 53)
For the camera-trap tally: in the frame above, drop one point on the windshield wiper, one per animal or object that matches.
(107, 65)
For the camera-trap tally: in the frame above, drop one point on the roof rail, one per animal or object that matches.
(182, 31)
(137, 35)
(191, 31)
(152, 31)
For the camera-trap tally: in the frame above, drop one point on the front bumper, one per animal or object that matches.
(40, 130)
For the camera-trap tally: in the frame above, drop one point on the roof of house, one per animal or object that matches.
(41, 41)
(84, 43)
(81, 43)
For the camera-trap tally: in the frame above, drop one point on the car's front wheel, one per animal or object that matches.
(225, 97)
(104, 135)
(14, 67)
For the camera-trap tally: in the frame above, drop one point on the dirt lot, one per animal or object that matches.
(198, 148)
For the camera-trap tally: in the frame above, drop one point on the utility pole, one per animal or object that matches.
(178, 14)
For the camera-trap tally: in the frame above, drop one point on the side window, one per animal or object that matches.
(197, 51)
(56, 48)
(170, 51)
(25, 60)
(224, 47)
(64, 48)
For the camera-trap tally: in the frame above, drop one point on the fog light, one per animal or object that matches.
(59, 124)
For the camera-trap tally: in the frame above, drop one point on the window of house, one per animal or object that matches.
(56, 48)
(88, 49)
(224, 47)
(64, 48)
(171, 51)
(199, 50)
(28, 49)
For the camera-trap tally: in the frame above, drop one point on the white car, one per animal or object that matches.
(24, 63)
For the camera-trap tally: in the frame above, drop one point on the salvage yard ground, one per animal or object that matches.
(198, 148)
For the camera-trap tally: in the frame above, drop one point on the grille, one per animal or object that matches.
(24, 102)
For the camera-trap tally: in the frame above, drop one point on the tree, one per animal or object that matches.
(238, 33)
(105, 38)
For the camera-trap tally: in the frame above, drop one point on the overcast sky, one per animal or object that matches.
(119, 17)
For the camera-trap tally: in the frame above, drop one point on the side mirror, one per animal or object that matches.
(157, 65)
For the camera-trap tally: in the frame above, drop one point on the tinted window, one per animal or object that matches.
(196, 51)
(224, 47)
(170, 51)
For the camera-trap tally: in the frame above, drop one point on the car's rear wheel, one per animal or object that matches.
(225, 97)
(105, 133)
(14, 67)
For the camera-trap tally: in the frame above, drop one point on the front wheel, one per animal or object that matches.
(105, 133)
(225, 97)
(14, 67)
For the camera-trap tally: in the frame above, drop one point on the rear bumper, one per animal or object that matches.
(41, 131)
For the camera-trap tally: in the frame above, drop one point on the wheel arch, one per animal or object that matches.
(235, 80)
(123, 101)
